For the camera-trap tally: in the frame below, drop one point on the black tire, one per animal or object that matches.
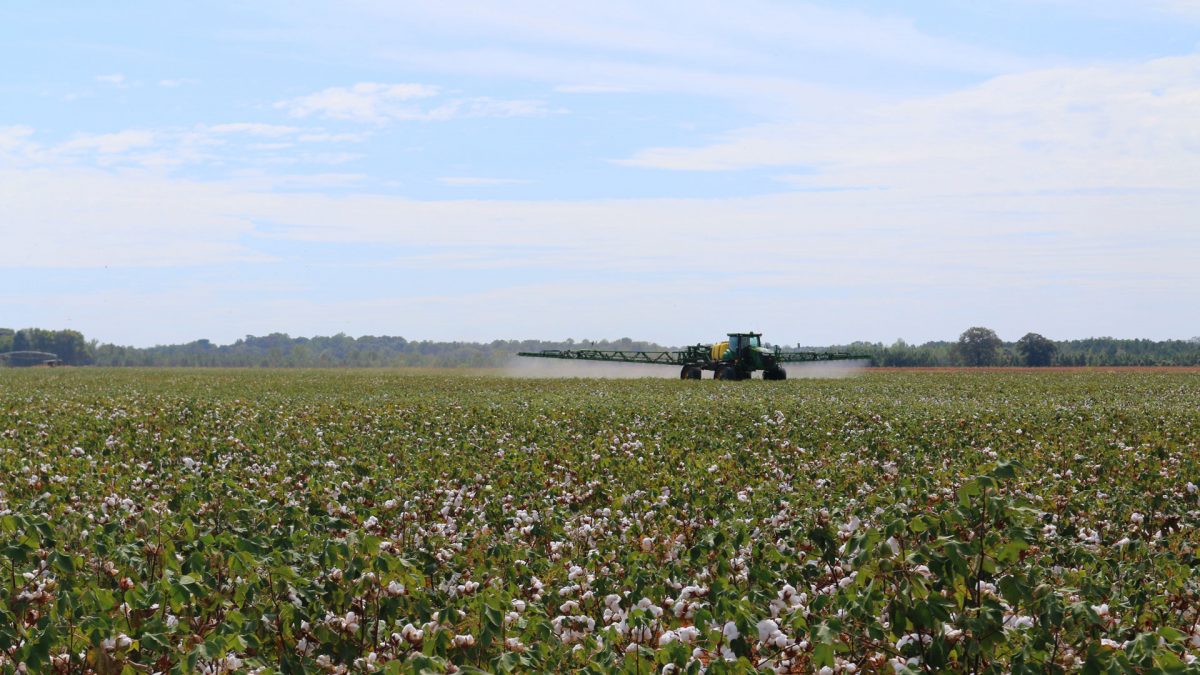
(689, 373)
(775, 374)
(728, 373)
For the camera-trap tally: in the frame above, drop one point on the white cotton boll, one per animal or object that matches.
(1100, 610)
(1018, 622)
(647, 544)
(730, 631)
(667, 638)
(467, 640)
(825, 670)
(766, 628)
(518, 605)
(1136, 518)
(894, 545)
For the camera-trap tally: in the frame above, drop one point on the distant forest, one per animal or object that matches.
(976, 346)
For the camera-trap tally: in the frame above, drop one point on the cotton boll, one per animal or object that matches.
(766, 629)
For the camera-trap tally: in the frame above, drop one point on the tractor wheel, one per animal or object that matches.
(775, 374)
(689, 373)
(728, 373)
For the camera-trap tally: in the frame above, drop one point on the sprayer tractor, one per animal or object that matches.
(736, 358)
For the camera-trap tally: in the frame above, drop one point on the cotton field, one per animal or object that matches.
(377, 521)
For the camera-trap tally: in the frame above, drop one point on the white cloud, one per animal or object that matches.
(923, 266)
(14, 138)
(1128, 126)
(325, 137)
(380, 103)
(86, 218)
(115, 79)
(472, 181)
(254, 129)
(362, 102)
(116, 143)
(1118, 9)
(593, 89)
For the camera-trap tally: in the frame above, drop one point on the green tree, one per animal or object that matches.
(1036, 350)
(21, 341)
(977, 346)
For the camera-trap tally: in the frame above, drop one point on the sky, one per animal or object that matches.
(822, 172)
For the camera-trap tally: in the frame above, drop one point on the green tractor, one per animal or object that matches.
(734, 359)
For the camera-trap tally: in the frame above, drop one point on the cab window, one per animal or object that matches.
(754, 341)
(735, 342)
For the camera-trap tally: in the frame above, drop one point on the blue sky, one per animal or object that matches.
(823, 172)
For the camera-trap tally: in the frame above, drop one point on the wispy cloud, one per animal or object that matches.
(326, 137)
(477, 181)
(108, 144)
(362, 102)
(14, 137)
(1063, 128)
(377, 103)
(253, 129)
(115, 79)
(1116, 9)
(593, 89)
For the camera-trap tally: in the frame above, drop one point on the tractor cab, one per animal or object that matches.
(739, 340)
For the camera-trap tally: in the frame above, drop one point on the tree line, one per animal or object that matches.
(981, 347)
(977, 346)
(69, 345)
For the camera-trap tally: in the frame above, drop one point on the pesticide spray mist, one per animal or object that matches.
(556, 368)
(551, 368)
(825, 370)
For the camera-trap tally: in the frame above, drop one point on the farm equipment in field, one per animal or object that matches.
(734, 359)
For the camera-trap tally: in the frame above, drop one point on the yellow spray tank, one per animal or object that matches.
(719, 349)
